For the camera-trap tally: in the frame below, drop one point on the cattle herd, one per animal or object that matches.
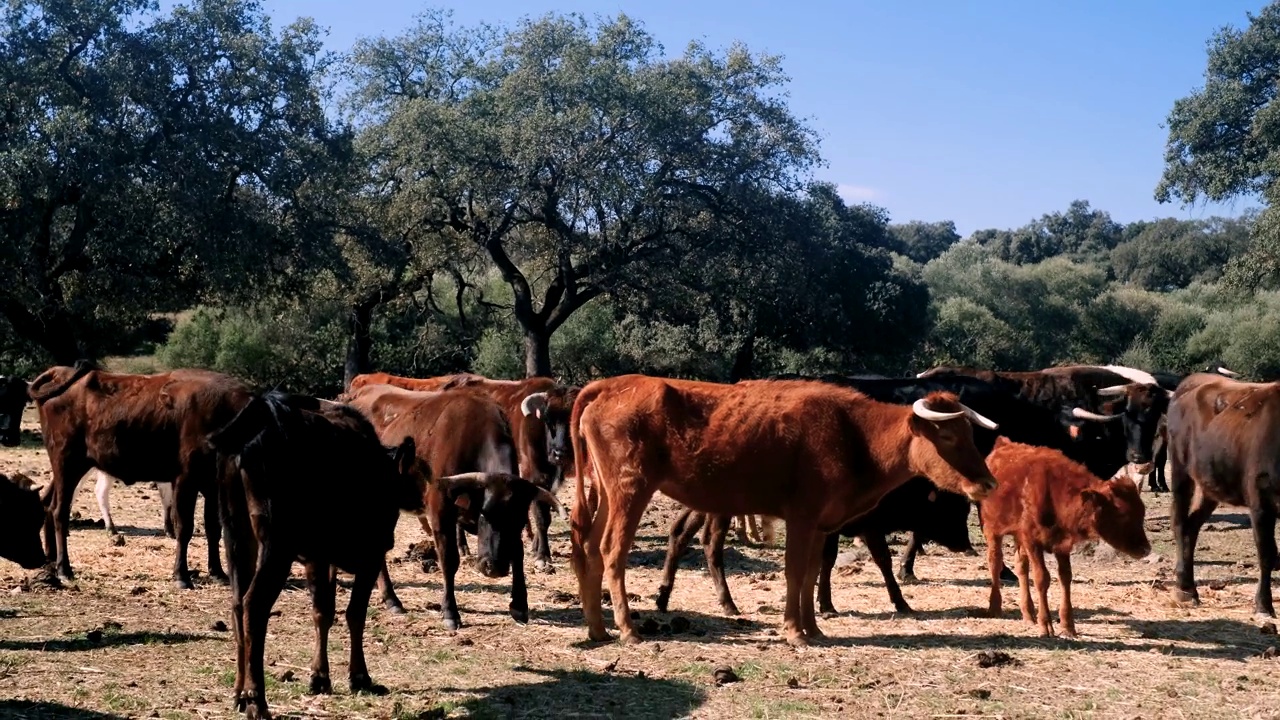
(292, 478)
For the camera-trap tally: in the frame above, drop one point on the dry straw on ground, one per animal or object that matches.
(122, 642)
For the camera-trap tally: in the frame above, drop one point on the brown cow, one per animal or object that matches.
(461, 434)
(1222, 449)
(816, 455)
(537, 409)
(138, 428)
(1048, 503)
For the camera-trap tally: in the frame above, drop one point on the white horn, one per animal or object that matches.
(535, 405)
(549, 498)
(1112, 391)
(1086, 415)
(1228, 373)
(921, 374)
(977, 419)
(920, 409)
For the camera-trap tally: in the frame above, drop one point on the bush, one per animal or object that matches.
(966, 333)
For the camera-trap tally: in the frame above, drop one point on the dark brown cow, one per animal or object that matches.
(1223, 450)
(462, 434)
(537, 409)
(138, 428)
(13, 400)
(307, 480)
(22, 515)
(814, 454)
(1048, 504)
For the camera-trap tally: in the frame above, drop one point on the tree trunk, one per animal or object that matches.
(537, 353)
(744, 359)
(360, 342)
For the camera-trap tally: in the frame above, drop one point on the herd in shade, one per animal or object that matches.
(481, 463)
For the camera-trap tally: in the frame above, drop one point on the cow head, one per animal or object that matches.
(553, 408)
(22, 517)
(1118, 516)
(1139, 408)
(942, 447)
(1218, 368)
(498, 506)
(13, 398)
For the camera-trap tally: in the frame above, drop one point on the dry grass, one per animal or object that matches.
(158, 654)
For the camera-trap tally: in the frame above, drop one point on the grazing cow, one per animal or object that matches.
(138, 428)
(22, 516)
(1222, 450)
(1019, 419)
(1048, 503)
(307, 480)
(464, 435)
(13, 400)
(537, 409)
(814, 454)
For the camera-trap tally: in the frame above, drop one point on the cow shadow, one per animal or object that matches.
(40, 710)
(615, 695)
(99, 640)
(963, 613)
(735, 561)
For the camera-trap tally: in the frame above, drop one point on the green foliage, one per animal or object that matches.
(1168, 253)
(1081, 233)
(966, 333)
(923, 241)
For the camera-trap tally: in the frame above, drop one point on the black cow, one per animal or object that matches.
(1170, 381)
(13, 400)
(307, 480)
(22, 515)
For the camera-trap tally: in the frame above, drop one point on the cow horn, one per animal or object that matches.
(977, 419)
(923, 411)
(549, 498)
(921, 374)
(1086, 415)
(1228, 373)
(464, 481)
(535, 405)
(1113, 390)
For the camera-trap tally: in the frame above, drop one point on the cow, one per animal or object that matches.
(1049, 503)
(1020, 419)
(814, 454)
(13, 400)
(537, 409)
(102, 491)
(22, 516)
(138, 428)
(1222, 450)
(465, 435)
(307, 480)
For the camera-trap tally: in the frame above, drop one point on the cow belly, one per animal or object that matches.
(722, 503)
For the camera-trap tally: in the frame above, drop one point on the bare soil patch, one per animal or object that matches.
(123, 642)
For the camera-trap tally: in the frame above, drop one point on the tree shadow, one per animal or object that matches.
(96, 640)
(40, 710)
(613, 695)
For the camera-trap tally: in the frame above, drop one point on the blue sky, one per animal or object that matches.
(986, 113)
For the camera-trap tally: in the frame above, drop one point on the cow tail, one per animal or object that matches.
(582, 517)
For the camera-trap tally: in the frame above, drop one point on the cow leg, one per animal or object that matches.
(1188, 511)
(389, 599)
(213, 534)
(907, 561)
(268, 581)
(799, 556)
(166, 508)
(463, 551)
(447, 555)
(1040, 572)
(591, 574)
(541, 513)
(1022, 563)
(713, 547)
(102, 490)
(830, 550)
(1263, 517)
(808, 618)
(320, 582)
(685, 526)
(879, 549)
(995, 563)
(67, 473)
(624, 508)
(1066, 614)
(184, 520)
(519, 606)
(357, 611)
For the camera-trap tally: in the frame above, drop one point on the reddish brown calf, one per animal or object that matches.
(1049, 503)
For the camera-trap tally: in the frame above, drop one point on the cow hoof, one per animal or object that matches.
(663, 597)
(255, 712)
(184, 584)
(730, 609)
(602, 636)
(220, 577)
(797, 640)
(544, 566)
(629, 638)
(321, 685)
(395, 608)
(520, 616)
(829, 614)
(452, 624)
(1186, 597)
(1070, 634)
(1264, 617)
(903, 609)
(907, 578)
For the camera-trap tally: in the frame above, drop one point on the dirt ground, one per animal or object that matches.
(123, 642)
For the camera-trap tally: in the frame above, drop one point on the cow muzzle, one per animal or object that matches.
(979, 490)
(490, 569)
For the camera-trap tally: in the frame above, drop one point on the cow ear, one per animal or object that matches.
(463, 501)
(1073, 430)
(405, 455)
(1092, 498)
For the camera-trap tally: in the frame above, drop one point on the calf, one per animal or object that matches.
(22, 516)
(463, 434)
(307, 480)
(1049, 503)
(814, 454)
(13, 400)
